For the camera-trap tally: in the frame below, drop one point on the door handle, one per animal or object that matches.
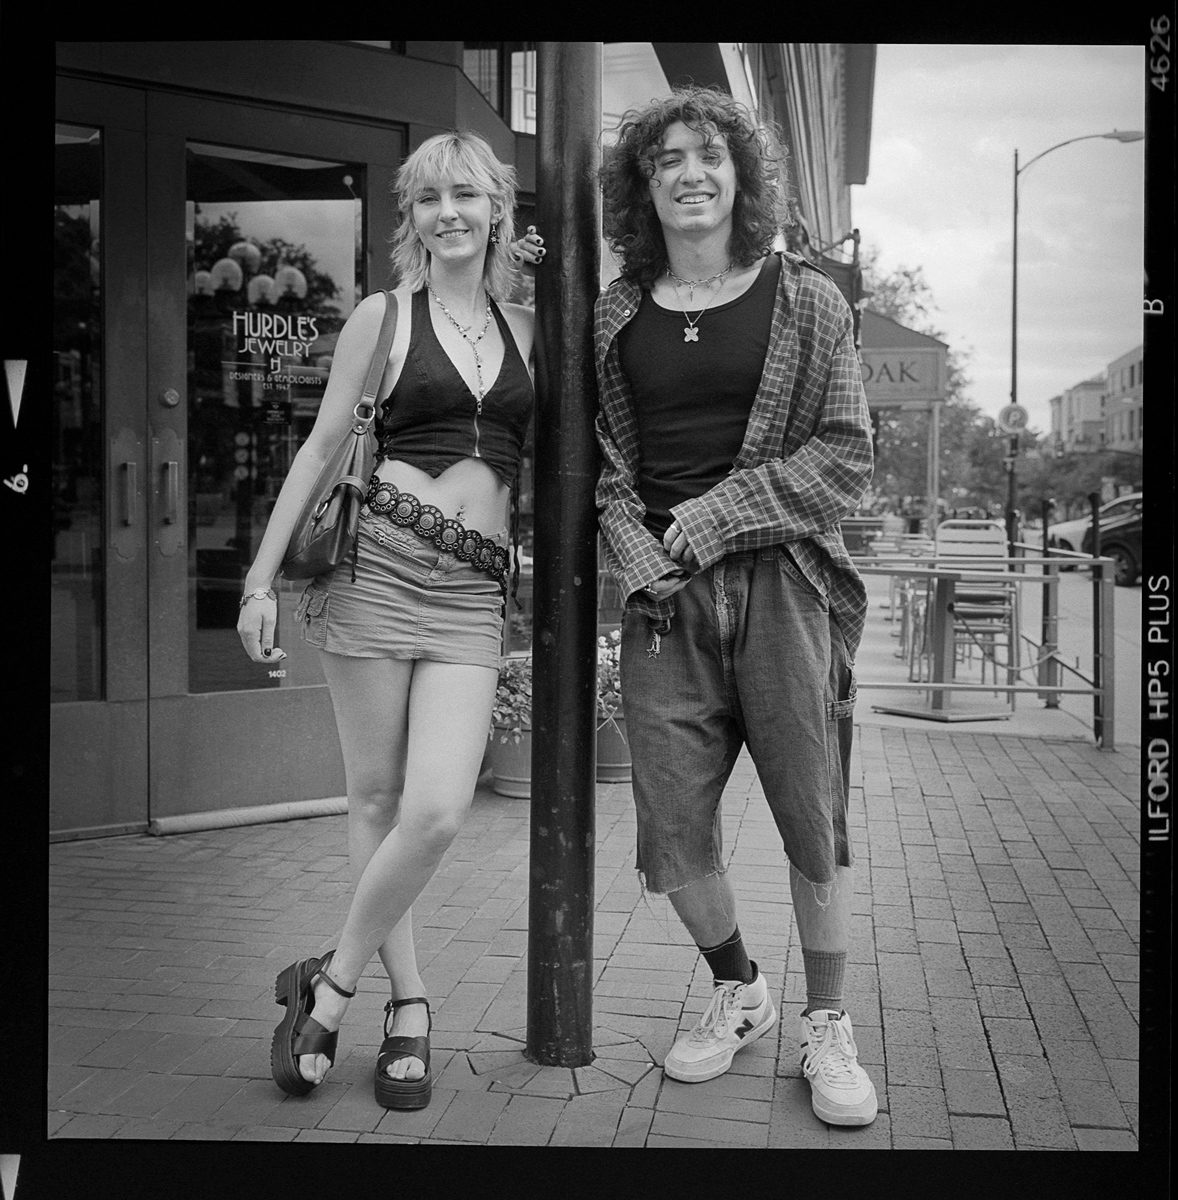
(171, 491)
(130, 490)
(125, 512)
(167, 462)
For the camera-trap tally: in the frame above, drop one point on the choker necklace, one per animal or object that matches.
(691, 330)
(692, 284)
(473, 343)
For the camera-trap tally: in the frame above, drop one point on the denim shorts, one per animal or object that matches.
(409, 600)
(752, 657)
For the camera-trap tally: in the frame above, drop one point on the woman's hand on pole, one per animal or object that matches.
(529, 248)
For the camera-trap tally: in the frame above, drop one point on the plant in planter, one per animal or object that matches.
(511, 715)
(511, 721)
(511, 728)
(609, 677)
(613, 751)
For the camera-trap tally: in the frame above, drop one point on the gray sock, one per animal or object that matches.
(824, 978)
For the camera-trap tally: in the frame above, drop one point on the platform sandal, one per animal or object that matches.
(298, 1032)
(403, 1093)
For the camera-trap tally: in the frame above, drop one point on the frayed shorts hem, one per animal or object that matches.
(644, 882)
(823, 892)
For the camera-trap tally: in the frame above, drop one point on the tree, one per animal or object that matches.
(971, 449)
(74, 291)
(1067, 480)
(213, 240)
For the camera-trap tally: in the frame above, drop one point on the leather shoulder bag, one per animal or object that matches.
(325, 532)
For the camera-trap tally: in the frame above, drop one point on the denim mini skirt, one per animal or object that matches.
(409, 600)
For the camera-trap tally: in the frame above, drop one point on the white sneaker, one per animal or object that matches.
(738, 1014)
(840, 1092)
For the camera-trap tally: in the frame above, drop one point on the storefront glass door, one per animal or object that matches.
(77, 555)
(206, 256)
(274, 263)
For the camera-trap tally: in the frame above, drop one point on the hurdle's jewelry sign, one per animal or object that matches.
(894, 378)
(274, 334)
(271, 348)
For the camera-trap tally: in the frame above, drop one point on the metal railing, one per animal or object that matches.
(932, 622)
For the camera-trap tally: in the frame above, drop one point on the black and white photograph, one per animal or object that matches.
(597, 599)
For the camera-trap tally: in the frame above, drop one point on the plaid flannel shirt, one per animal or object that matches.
(803, 466)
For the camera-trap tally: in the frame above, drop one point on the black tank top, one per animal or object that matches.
(692, 399)
(430, 418)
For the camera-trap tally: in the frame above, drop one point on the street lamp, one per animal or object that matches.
(1119, 135)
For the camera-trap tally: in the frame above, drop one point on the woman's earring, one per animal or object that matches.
(494, 235)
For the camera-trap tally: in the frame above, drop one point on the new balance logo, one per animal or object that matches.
(743, 1028)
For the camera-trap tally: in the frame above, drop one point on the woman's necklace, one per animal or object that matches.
(692, 284)
(690, 330)
(473, 343)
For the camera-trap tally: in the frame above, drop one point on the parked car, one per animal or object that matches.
(1069, 535)
(1120, 540)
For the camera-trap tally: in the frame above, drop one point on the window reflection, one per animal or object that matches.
(77, 564)
(274, 255)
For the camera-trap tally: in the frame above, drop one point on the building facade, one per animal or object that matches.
(1122, 403)
(1077, 421)
(1102, 413)
(220, 207)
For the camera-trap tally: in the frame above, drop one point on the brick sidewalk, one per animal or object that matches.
(992, 975)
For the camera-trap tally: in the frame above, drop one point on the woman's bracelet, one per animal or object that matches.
(260, 594)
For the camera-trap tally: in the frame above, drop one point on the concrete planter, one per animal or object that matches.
(613, 751)
(511, 761)
(511, 764)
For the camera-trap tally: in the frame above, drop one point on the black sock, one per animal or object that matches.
(729, 960)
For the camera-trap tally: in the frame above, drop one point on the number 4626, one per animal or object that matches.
(1159, 50)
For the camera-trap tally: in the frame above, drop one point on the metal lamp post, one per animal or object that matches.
(1119, 135)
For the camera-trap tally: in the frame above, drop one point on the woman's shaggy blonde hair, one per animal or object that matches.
(457, 156)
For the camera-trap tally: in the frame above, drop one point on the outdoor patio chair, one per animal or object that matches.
(899, 547)
(986, 612)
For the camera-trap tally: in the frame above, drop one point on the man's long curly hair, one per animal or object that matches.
(762, 207)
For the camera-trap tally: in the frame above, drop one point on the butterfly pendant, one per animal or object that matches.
(690, 333)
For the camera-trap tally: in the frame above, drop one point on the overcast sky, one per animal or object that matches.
(946, 121)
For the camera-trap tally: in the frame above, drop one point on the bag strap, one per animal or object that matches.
(380, 358)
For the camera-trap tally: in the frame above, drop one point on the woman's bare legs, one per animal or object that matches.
(374, 801)
(440, 713)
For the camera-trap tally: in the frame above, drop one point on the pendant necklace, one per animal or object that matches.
(473, 343)
(691, 330)
(692, 284)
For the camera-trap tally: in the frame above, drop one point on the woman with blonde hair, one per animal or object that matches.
(410, 633)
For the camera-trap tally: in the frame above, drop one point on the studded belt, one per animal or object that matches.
(430, 523)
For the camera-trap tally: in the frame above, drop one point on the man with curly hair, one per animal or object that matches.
(735, 437)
